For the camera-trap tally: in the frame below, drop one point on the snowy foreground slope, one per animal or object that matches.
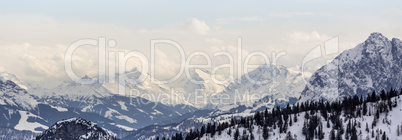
(369, 119)
(388, 123)
(192, 122)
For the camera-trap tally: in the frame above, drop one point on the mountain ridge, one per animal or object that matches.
(374, 64)
(76, 128)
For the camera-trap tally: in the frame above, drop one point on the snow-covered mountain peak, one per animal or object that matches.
(76, 120)
(13, 95)
(4, 76)
(377, 43)
(87, 79)
(374, 64)
(133, 71)
(274, 84)
(377, 36)
(396, 40)
(76, 128)
(271, 67)
(70, 88)
(8, 76)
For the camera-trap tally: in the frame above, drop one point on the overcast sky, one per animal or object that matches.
(34, 35)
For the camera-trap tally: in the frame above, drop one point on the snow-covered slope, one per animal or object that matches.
(13, 95)
(7, 133)
(286, 89)
(282, 84)
(199, 83)
(177, 92)
(25, 124)
(4, 76)
(128, 112)
(22, 110)
(194, 121)
(388, 123)
(374, 64)
(147, 89)
(264, 87)
(71, 89)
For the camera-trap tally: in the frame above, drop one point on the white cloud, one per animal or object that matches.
(31, 62)
(304, 37)
(167, 64)
(42, 60)
(196, 26)
(45, 63)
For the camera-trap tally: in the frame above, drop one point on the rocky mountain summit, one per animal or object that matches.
(76, 129)
(373, 65)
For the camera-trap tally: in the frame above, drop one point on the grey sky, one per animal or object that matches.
(35, 34)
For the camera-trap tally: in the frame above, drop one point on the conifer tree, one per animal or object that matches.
(332, 135)
(354, 134)
(265, 133)
(328, 125)
(236, 134)
(202, 130)
(290, 121)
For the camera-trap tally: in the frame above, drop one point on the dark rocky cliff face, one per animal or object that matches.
(76, 129)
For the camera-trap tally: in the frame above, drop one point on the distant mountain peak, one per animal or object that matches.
(86, 77)
(4, 76)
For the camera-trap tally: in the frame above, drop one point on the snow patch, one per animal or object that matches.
(23, 124)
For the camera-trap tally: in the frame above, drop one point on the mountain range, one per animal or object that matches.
(376, 57)
(373, 65)
(35, 108)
